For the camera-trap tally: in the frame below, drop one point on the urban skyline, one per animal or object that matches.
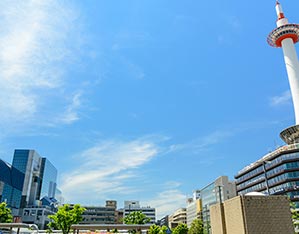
(142, 101)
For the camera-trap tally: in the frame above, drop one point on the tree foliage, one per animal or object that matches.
(155, 229)
(180, 229)
(197, 227)
(163, 229)
(65, 217)
(5, 213)
(136, 217)
(295, 214)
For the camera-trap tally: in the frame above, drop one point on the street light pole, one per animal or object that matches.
(266, 178)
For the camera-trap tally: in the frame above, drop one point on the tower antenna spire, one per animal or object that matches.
(285, 35)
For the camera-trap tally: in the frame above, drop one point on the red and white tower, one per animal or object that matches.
(285, 35)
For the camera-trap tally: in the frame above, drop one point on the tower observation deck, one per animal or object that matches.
(285, 35)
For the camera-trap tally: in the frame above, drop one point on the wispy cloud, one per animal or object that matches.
(282, 99)
(34, 50)
(203, 143)
(106, 167)
(166, 202)
(71, 115)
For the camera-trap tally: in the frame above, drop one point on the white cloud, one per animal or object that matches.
(106, 167)
(203, 143)
(282, 99)
(71, 114)
(166, 202)
(34, 50)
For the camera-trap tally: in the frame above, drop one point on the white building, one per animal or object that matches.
(130, 206)
(194, 208)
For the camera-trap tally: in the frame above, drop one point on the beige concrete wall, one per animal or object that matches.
(234, 216)
(253, 215)
(267, 214)
(217, 219)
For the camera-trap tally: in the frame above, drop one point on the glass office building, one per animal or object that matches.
(277, 173)
(216, 192)
(11, 180)
(49, 178)
(27, 180)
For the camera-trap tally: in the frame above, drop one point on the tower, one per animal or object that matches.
(285, 35)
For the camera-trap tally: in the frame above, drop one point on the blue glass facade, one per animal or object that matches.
(49, 177)
(279, 171)
(13, 182)
(28, 179)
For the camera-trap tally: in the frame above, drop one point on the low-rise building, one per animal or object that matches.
(100, 214)
(37, 215)
(179, 216)
(130, 206)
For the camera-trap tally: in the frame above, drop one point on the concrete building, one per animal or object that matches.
(100, 214)
(277, 173)
(130, 206)
(163, 221)
(194, 208)
(252, 215)
(179, 216)
(218, 191)
(37, 215)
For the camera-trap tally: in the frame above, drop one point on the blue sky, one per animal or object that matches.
(142, 99)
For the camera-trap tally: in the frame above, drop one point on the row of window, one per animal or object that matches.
(281, 168)
(253, 180)
(256, 187)
(284, 186)
(281, 158)
(282, 177)
(273, 162)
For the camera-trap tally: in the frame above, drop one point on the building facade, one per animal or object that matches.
(252, 215)
(130, 206)
(37, 215)
(26, 184)
(277, 173)
(194, 208)
(100, 214)
(11, 185)
(216, 192)
(164, 221)
(179, 216)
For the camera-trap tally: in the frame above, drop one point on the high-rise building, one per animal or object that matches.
(31, 178)
(12, 180)
(278, 172)
(130, 206)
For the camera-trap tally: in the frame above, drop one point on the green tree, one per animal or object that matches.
(180, 229)
(163, 229)
(295, 214)
(154, 229)
(196, 227)
(65, 217)
(136, 217)
(5, 213)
